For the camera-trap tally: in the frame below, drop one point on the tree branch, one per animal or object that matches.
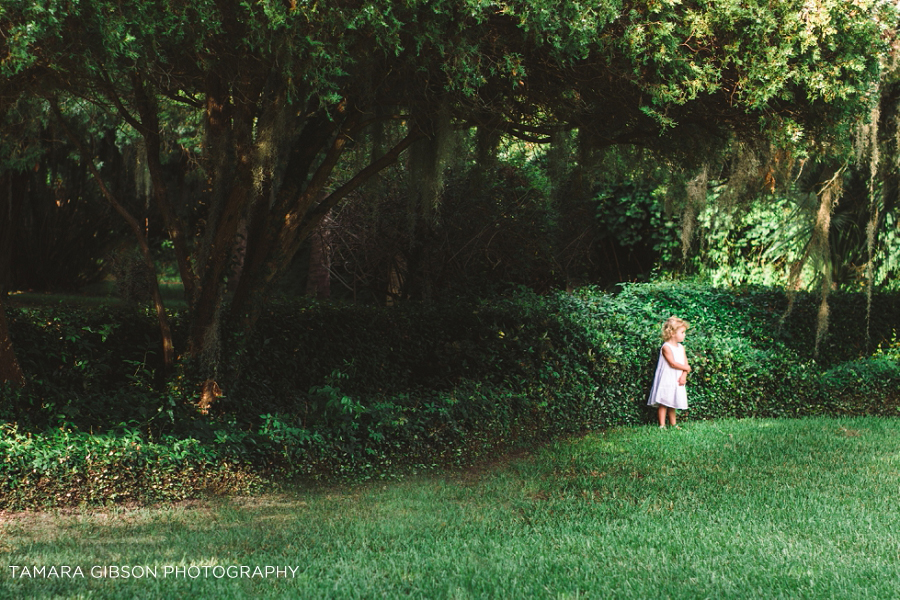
(165, 330)
(312, 218)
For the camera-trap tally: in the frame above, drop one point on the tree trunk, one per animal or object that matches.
(150, 130)
(318, 282)
(276, 234)
(168, 347)
(250, 129)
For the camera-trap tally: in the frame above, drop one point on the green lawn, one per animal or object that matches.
(725, 509)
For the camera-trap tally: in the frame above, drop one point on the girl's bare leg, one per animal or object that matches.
(672, 418)
(661, 413)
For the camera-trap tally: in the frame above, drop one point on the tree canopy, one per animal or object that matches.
(623, 69)
(263, 99)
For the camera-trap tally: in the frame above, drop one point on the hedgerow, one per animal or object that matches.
(323, 390)
(66, 468)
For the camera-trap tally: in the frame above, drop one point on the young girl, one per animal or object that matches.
(668, 392)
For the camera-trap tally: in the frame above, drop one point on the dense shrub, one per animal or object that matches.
(423, 378)
(63, 468)
(89, 367)
(869, 386)
(325, 389)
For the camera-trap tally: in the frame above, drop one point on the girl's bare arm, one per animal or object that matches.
(670, 358)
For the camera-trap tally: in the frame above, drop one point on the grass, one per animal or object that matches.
(726, 509)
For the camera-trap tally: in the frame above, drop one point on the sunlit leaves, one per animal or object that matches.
(754, 51)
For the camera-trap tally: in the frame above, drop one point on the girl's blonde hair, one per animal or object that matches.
(672, 325)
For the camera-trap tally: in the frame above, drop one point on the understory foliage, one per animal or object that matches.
(325, 390)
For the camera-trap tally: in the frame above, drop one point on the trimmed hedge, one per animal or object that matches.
(328, 389)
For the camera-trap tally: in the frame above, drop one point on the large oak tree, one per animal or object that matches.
(282, 88)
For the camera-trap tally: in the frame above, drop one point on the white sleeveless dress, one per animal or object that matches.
(665, 390)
